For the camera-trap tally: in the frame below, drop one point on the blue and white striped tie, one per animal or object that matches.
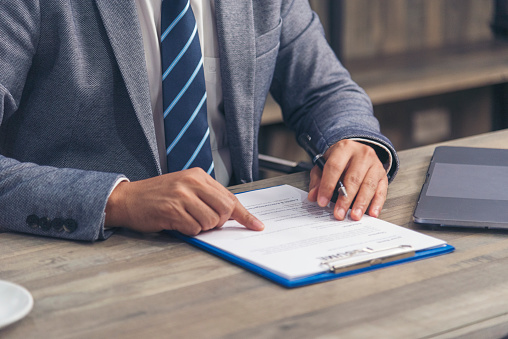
(184, 91)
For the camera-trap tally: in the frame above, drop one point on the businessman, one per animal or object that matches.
(136, 114)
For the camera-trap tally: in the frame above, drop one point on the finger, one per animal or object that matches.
(213, 194)
(315, 179)
(206, 217)
(353, 178)
(221, 201)
(366, 192)
(186, 224)
(332, 172)
(203, 198)
(241, 215)
(342, 205)
(217, 197)
(379, 198)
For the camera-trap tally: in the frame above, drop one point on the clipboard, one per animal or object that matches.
(330, 274)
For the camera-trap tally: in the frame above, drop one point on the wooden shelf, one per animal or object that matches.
(416, 75)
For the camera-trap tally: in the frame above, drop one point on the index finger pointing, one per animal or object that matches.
(241, 215)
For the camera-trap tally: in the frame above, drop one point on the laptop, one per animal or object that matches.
(465, 187)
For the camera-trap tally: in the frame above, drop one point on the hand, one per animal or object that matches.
(188, 201)
(362, 174)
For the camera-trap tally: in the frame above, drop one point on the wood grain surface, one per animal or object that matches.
(154, 286)
(374, 28)
(431, 72)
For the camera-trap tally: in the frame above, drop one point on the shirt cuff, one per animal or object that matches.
(118, 181)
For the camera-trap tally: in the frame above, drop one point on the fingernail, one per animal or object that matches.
(341, 213)
(358, 213)
(311, 193)
(258, 224)
(323, 201)
(375, 212)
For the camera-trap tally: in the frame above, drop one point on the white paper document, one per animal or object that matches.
(299, 235)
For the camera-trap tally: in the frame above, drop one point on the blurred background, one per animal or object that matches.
(435, 70)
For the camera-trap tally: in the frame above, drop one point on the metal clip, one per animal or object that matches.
(334, 265)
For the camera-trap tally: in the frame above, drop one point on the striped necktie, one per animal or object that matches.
(183, 89)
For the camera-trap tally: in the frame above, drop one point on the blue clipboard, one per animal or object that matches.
(311, 279)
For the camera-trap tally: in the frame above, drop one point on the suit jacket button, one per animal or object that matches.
(57, 224)
(33, 221)
(45, 224)
(70, 225)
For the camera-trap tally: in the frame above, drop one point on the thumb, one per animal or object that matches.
(315, 181)
(242, 216)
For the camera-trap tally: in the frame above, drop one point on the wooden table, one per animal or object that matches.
(154, 286)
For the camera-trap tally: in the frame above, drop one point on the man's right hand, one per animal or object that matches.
(188, 201)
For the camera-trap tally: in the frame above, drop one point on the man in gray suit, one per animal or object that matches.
(80, 115)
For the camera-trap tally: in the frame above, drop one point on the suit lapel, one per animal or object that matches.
(235, 30)
(126, 40)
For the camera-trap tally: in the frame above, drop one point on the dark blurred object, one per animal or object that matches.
(500, 91)
(281, 165)
(500, 21)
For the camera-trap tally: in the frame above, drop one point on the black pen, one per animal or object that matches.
(317, 159)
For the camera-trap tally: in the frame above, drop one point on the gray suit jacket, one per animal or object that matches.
(75, 110)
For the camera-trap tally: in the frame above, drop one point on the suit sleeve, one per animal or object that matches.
(42, 200)
(315, 92)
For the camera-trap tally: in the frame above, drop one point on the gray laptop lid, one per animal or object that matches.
(466, 187)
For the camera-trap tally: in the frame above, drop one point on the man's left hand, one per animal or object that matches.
(361, 172)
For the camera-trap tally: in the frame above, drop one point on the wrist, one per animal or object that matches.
(115, 207)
